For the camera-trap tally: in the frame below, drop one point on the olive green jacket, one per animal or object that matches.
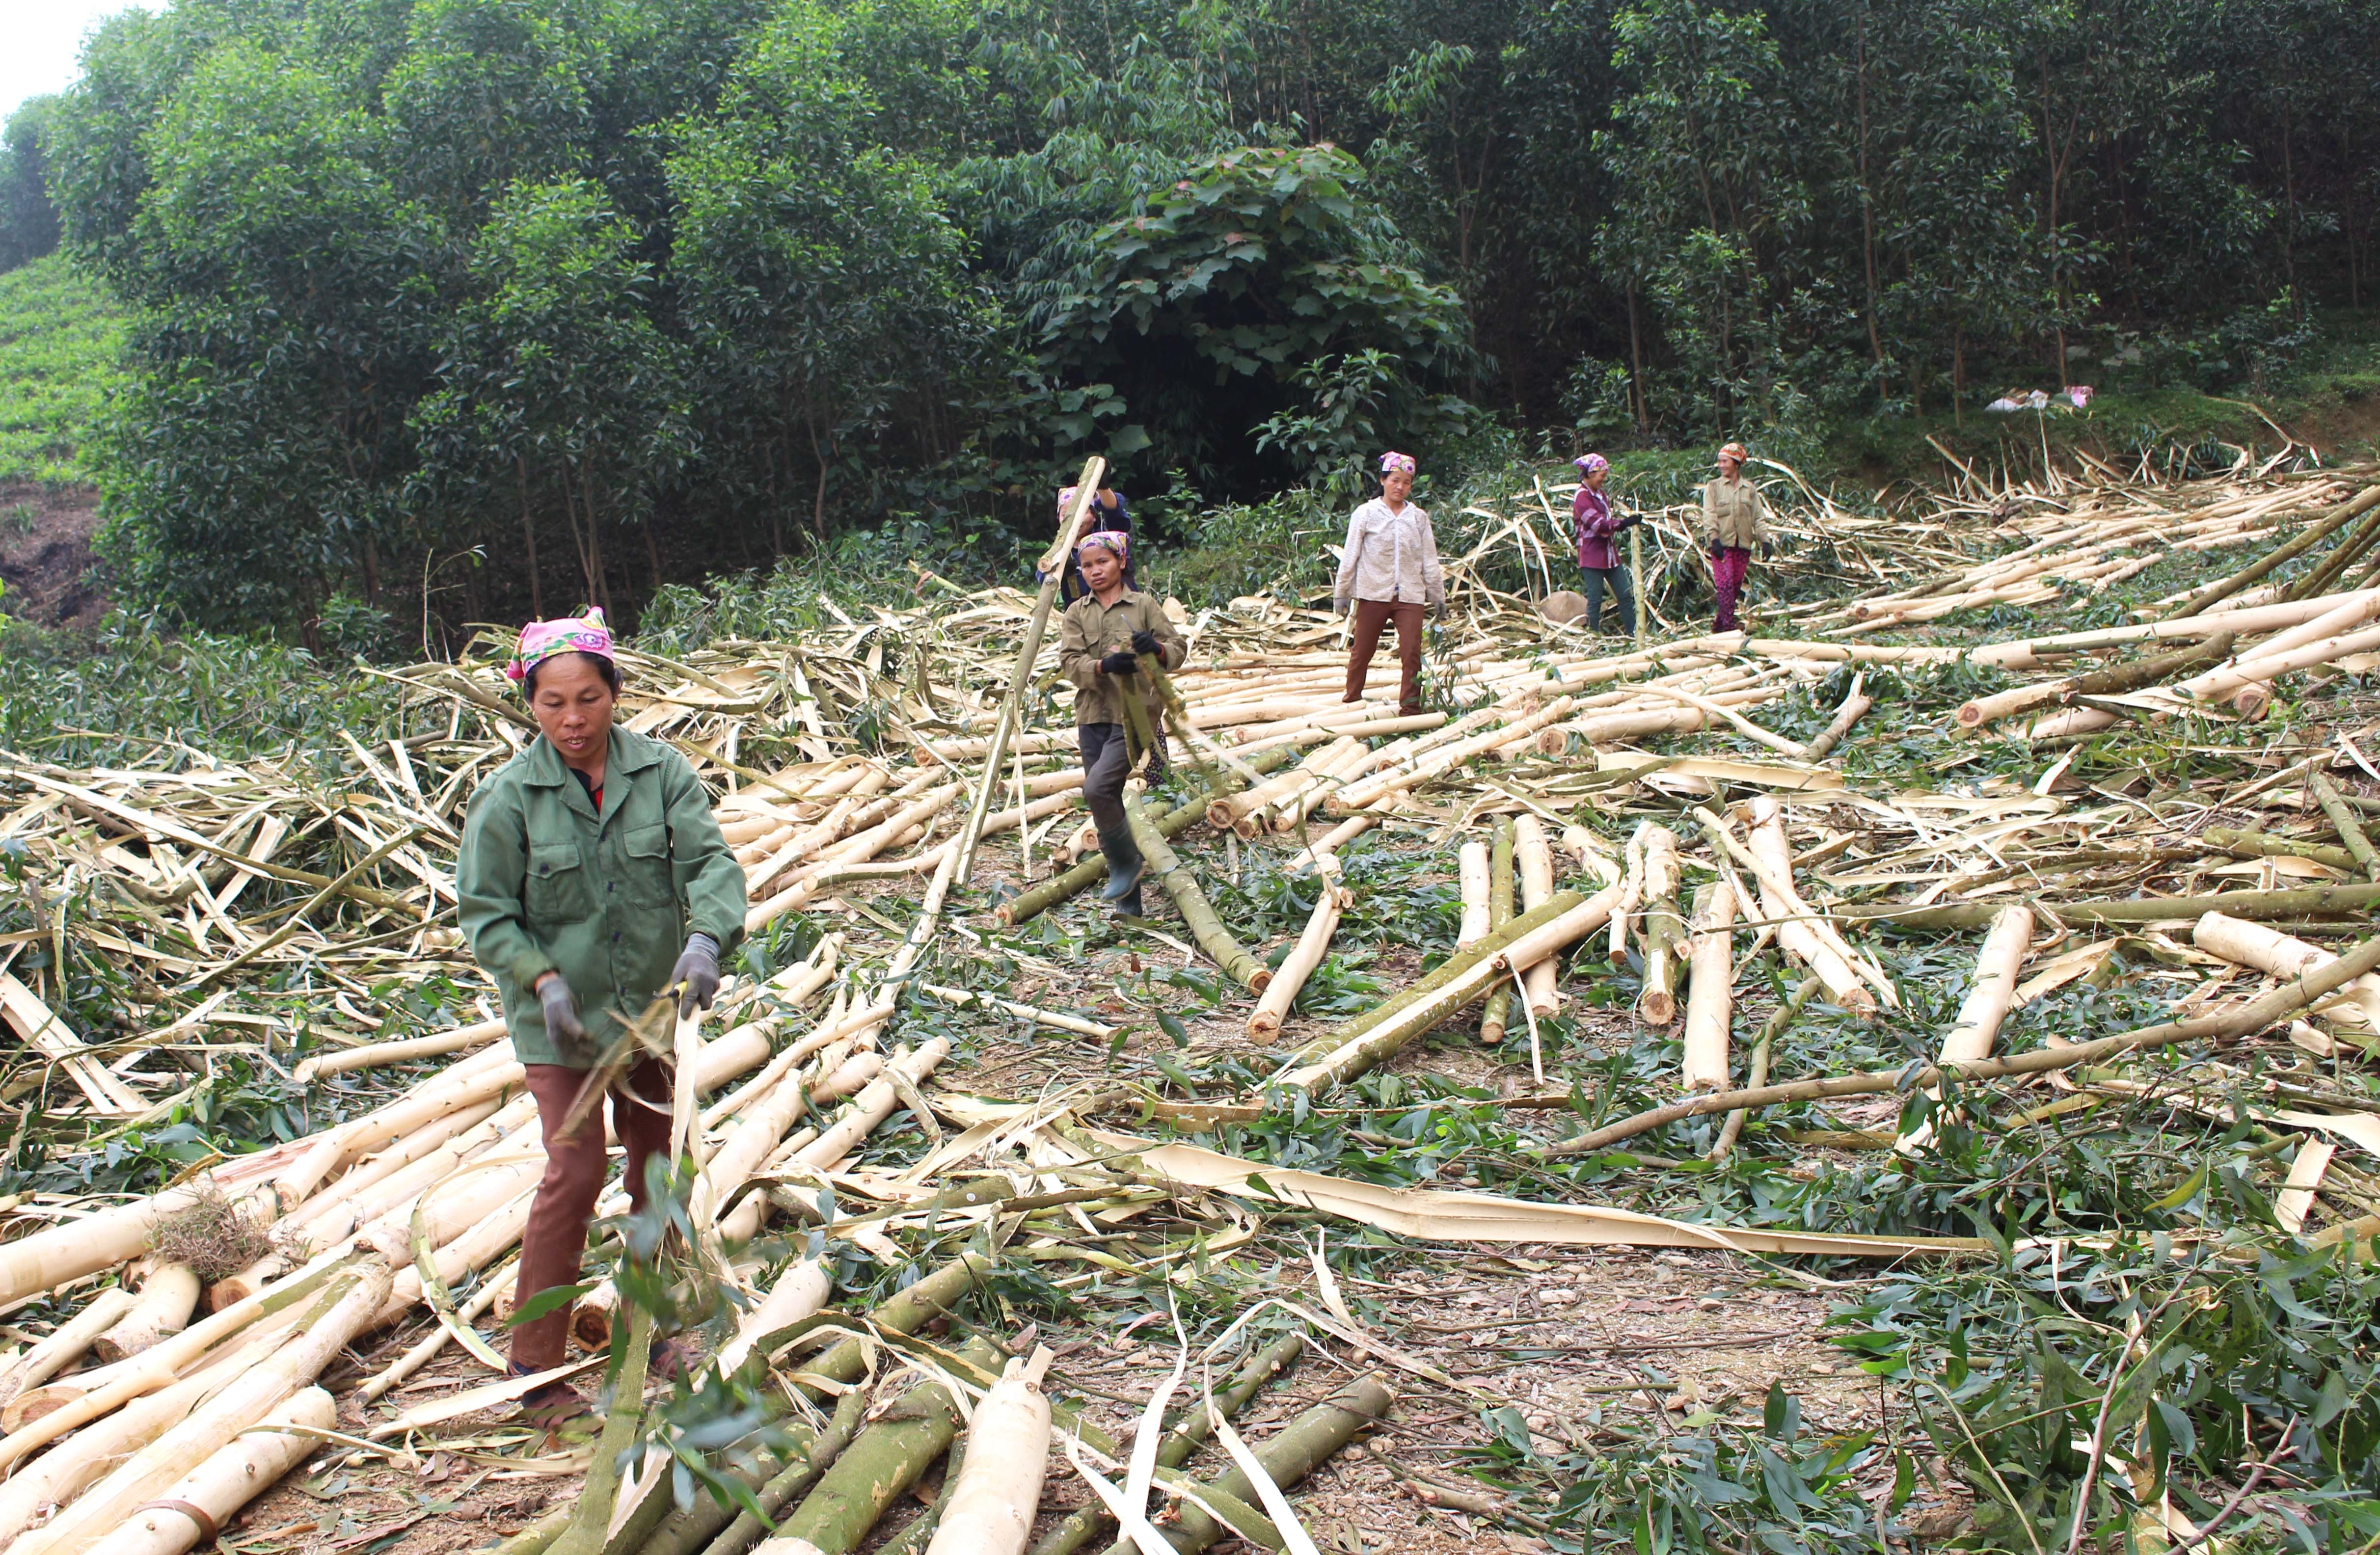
(546, 885)
(1091, 631)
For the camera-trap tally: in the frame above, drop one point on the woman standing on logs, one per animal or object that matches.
(592, 879)
(1388, 570)
(1100, 646)
(1734, 521)
(1593, 526)
(1108, 515)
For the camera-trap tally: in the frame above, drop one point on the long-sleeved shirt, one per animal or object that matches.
(1390, 556)
(1733, 515)
(1592, 523)
(1092, 631)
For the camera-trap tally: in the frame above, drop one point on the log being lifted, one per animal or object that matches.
(1196, 913)
(1989, 993)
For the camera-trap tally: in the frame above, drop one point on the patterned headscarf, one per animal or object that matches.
(539, 641)
(1592, 463)
(1392, 463)
(1735, 451)
(1114, 539)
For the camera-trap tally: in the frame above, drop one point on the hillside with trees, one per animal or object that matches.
(521, 300)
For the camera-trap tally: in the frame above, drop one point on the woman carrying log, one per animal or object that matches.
(1389, 571)
(1593, 526)
(1108, 515)
(1100, 646)
(591, 877)
(1735, 521)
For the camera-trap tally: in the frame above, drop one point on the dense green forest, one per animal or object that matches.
(514, 301)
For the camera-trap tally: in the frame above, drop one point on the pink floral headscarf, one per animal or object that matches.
(1392, 463)
(1114, 539)
(587, 632)
(1735, 451)
(1592, 463)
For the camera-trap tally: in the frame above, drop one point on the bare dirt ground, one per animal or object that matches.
(45, 534)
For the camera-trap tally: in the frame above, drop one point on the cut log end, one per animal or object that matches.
(1969, 715)
(1263, 1026)
(1659, 1008)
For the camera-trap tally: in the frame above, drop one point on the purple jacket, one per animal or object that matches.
(1592, 524)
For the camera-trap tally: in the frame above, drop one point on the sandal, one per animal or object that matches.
(554, 1408)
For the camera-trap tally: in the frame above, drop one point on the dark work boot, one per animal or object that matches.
(1124, 867)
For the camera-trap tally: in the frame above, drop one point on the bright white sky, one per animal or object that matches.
(44, 44)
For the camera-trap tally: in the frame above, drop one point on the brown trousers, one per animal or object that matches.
(556, 1233)
(1371, 615)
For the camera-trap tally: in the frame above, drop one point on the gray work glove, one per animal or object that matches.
(561, 1009)
(697, 970)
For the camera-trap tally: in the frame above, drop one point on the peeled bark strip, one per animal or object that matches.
(1204, 927)
(1664, 935)
(1710, 1001)
(1312, 946)
(1300, 1447)
(1185, 1432)
(989, 1508)
(1493, 1019)
(2244, 1021)
(1986, 1005)
(236, 1474)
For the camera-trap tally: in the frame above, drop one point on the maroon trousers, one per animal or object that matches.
(1371, 615)
(556, 1235)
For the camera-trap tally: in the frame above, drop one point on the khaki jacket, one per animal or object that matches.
(1092, 631)
(1734, 514)
(546, 884)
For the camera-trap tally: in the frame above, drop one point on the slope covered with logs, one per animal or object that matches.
(1698, 849)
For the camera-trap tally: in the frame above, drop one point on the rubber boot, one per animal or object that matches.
(1124, 869)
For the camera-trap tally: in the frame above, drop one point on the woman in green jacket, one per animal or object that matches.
(592, 879)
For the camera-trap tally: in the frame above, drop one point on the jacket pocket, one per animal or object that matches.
(557, 890)
(645, 873)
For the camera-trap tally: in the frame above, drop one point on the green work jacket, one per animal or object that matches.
(546, 884)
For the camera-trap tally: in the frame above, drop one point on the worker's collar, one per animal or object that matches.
(1121, 594)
